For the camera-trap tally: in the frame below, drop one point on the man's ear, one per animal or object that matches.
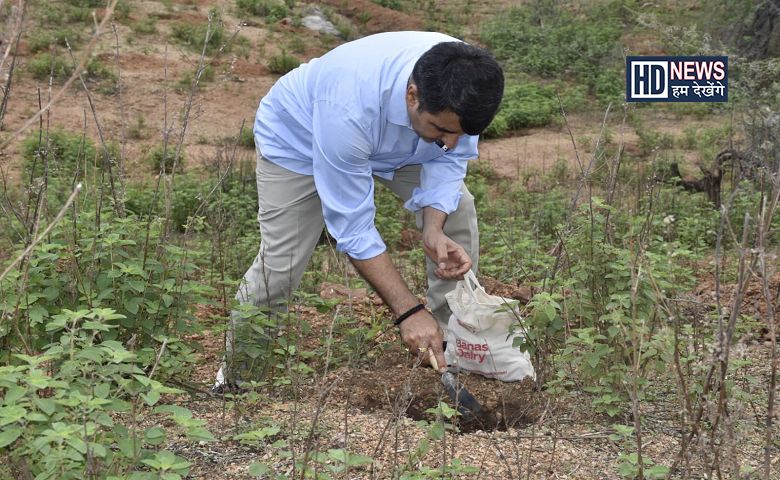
(412, 100)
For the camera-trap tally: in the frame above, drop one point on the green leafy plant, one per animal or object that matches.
(629, 466)
(57, 416)
(435, 432)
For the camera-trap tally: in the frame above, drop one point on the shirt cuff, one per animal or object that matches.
(439, 198)
(365, 245)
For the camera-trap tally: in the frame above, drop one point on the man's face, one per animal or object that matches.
(442, 127)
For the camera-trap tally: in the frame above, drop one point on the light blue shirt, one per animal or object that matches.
(342, 118)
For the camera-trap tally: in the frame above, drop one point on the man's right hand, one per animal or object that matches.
(422, 330)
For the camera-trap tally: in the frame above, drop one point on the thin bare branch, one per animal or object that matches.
(12, 46)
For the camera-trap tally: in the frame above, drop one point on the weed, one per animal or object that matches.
(364, 17)
(282, 63)
(242, 46)
(79, 306)
(44, 65)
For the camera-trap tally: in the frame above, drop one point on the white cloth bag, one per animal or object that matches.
(478, 337)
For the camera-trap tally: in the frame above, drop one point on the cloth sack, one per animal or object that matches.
(478, 337)
(475, 308)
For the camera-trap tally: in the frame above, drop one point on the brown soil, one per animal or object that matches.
(754, 301)
(379, 18)
(504, 405)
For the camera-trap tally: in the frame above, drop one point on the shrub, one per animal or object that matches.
(44, 65)
(497, 128)
(547, 40)
(612, 314)
(69, 154)
(162, 159)
(78, 11)
(145, 26)
(57, 13)
(41, 40)
(194, 35)
(272, 10)
(650, 140)
(391, 4)
(89, 294)
(185, 82)
(234, 203)
(57, 420)
(247, 138)
(524, 105)
(282, 63)
(139, 129)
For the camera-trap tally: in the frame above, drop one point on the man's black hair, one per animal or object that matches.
(461, 78)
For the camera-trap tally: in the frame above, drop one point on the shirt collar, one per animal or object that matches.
(396, 111)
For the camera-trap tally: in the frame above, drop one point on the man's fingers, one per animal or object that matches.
(432, 359)
(437, 358)
(441, 254)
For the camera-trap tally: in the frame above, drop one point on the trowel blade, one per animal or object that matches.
(464, 400)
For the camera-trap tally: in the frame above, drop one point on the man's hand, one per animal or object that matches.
(418, 330)
(451, 259)
(422, 330)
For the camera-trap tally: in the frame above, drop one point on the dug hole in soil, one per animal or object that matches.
(396, 385)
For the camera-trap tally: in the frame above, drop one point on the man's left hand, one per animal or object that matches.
(451, 259)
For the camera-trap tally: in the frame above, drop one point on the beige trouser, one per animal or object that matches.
(291, 222)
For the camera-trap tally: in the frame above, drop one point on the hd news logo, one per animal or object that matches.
(677, 79)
